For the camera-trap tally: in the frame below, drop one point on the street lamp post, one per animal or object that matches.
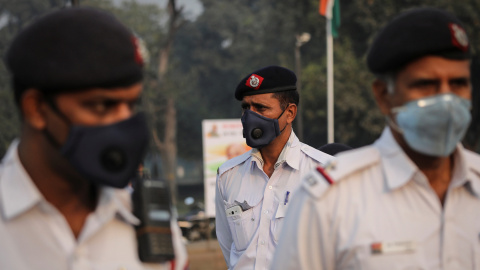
(300, 40)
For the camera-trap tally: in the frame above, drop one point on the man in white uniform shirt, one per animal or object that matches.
(411, 200)
(255, 189)
(77, 75)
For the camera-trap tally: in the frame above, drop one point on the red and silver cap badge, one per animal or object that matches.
(254, 81)
(459, 37)
(141, 52)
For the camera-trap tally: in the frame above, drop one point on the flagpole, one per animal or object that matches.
(330, 81)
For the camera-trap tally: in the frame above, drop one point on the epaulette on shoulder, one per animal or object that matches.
(229, 164)
(354, 160)
(316, 154)
(318, 181)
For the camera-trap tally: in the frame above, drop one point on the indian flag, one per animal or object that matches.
(331, 10)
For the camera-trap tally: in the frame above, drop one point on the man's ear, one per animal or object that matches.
(291, 112)
(32, 105)
(382, 96)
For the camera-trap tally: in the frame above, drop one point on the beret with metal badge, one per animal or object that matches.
(270, 79)
(417, 33)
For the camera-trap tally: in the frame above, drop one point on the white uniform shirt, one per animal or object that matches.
(248, 239)
(381, 213)
(35, 235)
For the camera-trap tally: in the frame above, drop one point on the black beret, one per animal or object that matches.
(75, 49)
(269, 79)
(415, 34)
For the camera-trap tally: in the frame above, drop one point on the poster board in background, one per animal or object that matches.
(222, 140)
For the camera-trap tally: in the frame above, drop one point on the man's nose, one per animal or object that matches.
(444, 88)
(123, 112)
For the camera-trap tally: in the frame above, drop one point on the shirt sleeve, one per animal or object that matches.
(307, 240)
(224, 236)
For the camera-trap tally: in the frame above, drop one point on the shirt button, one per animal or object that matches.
(263, 242)
(266, 211)
(270, 187)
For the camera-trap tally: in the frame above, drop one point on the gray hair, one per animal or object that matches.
(389, 79)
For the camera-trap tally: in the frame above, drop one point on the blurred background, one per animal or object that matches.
(200, 49)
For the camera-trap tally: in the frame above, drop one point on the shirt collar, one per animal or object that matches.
(398, 168)
(468, 170)
(473, 176)
(117, 202)
(18, 193)
(460, 167)
(290, 153)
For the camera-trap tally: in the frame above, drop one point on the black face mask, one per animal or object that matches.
(107, 155)
(259, 130)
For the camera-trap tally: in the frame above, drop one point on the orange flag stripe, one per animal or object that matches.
(323, 7)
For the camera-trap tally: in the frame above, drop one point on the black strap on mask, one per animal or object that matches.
(281, 116)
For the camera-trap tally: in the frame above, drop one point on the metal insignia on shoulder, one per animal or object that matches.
(330, 165)
(311, 181)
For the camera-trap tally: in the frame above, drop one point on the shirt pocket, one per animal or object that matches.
(277, 224)
(243, 226)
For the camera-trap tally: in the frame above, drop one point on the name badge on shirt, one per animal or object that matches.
(393, 247)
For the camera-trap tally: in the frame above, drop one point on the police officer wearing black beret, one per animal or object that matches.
(410, 200)
(254, 189)
(77, 75)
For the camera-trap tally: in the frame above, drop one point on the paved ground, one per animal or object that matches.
(205, 255)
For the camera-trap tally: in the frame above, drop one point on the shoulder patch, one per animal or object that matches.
(353, 160)
(318, 181)
(229, 164)
(316, 184)
(316, 154)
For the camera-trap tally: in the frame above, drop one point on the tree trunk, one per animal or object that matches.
(168, 147)
(169, 153)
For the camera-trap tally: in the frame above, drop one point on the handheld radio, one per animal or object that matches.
(152, 205)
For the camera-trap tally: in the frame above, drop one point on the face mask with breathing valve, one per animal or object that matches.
(259, 130)
(107, 155)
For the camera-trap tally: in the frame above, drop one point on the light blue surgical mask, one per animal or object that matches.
(434, 125)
